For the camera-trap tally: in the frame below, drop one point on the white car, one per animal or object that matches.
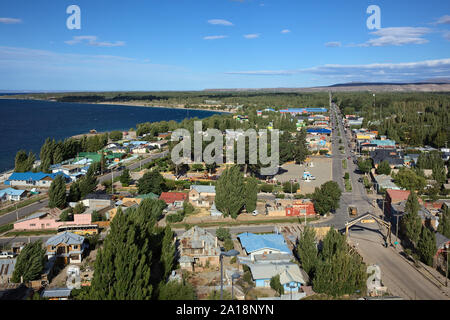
(255, 213)
(6, 255)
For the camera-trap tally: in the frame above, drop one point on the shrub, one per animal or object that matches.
(268, 188)
(229, 244)
(223, 234)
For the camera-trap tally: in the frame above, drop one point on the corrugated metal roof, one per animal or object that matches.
(204, 189)
(66, 238)
(56, 293)
(7, 266)
(253, 242)
(11, 192)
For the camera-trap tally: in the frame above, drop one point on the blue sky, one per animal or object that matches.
(194, 45)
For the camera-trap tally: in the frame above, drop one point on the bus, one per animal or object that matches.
(81, 230)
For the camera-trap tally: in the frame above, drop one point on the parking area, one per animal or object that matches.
(320, 168)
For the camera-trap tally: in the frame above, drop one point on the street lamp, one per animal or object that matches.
(231, 253)
(234, 276)
(446, 269)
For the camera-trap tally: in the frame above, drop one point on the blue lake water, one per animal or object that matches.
(25, 124)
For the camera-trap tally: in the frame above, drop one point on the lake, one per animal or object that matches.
(25, 124)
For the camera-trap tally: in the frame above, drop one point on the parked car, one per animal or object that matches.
(6, 255)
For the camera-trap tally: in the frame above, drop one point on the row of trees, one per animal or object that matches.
(326, 198)
(334, 270)
(136, 259)
(233, 193)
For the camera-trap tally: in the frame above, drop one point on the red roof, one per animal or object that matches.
(398, 195)
(171, 197)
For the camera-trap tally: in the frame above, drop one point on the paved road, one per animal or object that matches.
(23, 212)
(401, 278)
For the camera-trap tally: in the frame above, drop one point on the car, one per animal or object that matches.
(255, 213)
(6, 255)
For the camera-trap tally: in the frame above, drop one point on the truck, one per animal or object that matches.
(352, 211)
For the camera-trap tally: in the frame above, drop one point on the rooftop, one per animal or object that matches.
(253, 242)
(67, 238)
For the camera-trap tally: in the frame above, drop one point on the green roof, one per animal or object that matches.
(148, 196)
(90, 155)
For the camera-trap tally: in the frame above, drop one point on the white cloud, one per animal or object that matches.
(397, 36)
(214, 37)
(333, 44)
(367, 72)
(220, 22)
(92, 41)
(10, 20)
(443, 20)
(285, 31)
(252, 36)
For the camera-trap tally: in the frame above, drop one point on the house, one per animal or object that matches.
(49, 220)
(394, 157)
(441, 243)
(67, 247)
(301, 208)
(10, 194)
(202, 196)
(158, 144)
(197, 248)
(56, 293)
(291, 276)
(385, 182)
(175, 199)
(256, 244)
(97, 201)
(124, 205)
(33, 179)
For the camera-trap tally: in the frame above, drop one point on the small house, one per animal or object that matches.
(10, 194)
(67, 247)
(202, 196)
(292, 278)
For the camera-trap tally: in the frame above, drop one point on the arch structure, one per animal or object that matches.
(381, 222)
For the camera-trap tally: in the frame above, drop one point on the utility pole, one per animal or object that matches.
(112, 180)
(446, 270)
(17, 214)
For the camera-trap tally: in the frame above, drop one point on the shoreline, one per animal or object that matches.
(124, 104)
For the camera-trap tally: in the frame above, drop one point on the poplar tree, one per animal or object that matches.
(230, 192)
(411, 223)
(444, 223)
(57, 193)
(307, 251)
(30, 263)
(168, 251)
(427, 246)
(251, 194)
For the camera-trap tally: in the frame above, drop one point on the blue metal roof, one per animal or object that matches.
(34, 176)
(253, 242)
(319, 130)
(11, 192)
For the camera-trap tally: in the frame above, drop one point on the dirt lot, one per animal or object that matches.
(321, 169)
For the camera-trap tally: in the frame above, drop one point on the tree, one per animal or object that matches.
(326, 198)
(290, 187)
(66, 215)
(168, 251)
(24, 162)
(74, 192)
(409, 180)
(426, 246)
(57, 193)
(215, 295)
(96, 216)
(58, 154)
(228, 244)
(444, 223)
(251, 194)
(332, 244)
(301, 147)
(115, 135)
(125, 178)
(153, 182)
(174, 290)
(230, 192)
(88, 183)
(384, 168)
(222, 234)
(411, 223)
(307, 250)
(79, 208)
(276, 285)
(30, 263)
(364, 165)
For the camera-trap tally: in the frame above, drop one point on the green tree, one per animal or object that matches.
(125, 178)
(411, 223)
(96, 216)
(276, 285)
(230, 192)
(222, 234)
(115, 135)
(251, 194)
(174, 290)
(364, 165)
(444, 223)
(153, 182)
(384, 168)
(409, 180)
(290, 187)
(57, 193)
(74, 192)
(426, 246)
(327, 197)
(79, 208)
(88, 183)
(30, 263)
(307, 250)
(168, 251)
(300, 147)
(24, 162)
(228, 244)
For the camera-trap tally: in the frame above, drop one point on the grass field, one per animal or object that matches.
(30, 233)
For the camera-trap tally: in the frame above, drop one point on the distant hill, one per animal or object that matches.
(432, 85)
